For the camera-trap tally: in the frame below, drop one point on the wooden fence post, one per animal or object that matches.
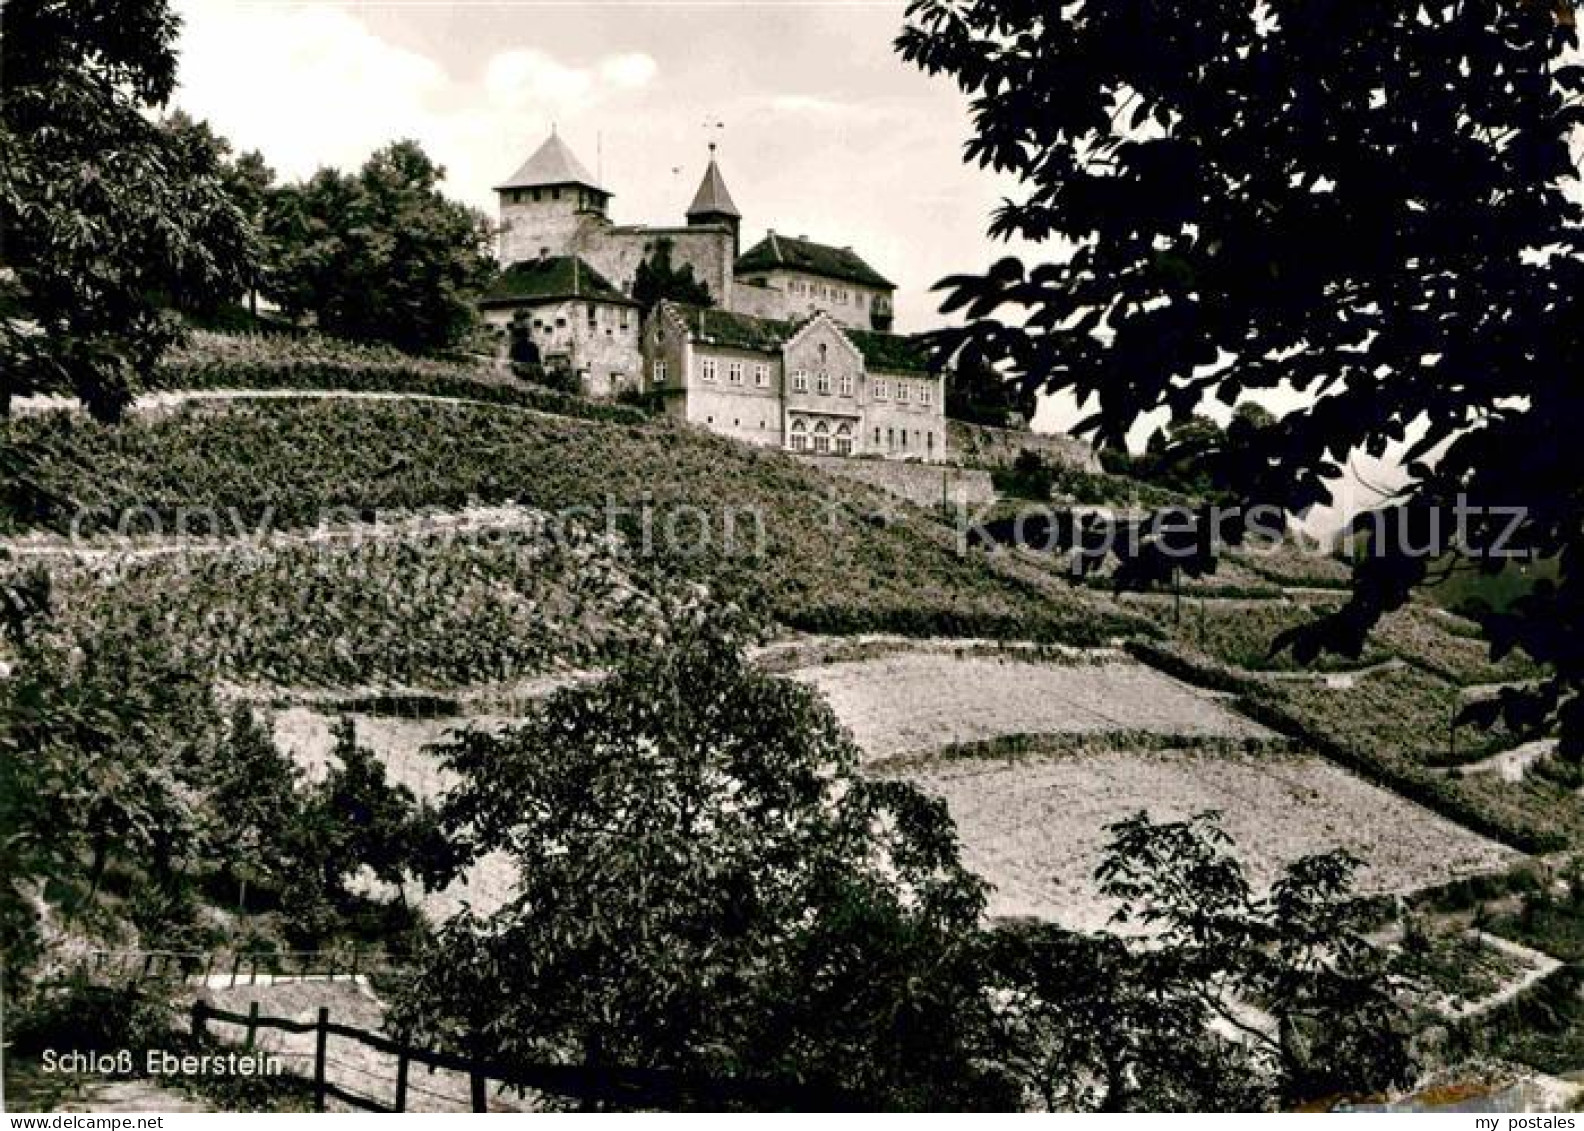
(252, 1028)
(321, 1039)
(199, 1020)
(480, 1099)
(401, 1077)
(236, 966)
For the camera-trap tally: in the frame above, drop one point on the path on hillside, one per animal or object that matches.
(1541, 966)
(132, 1096)
(394, 526)
(166, 400)
(1512, 764)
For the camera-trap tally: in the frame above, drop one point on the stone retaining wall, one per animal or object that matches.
(976, 445)
(920, 483)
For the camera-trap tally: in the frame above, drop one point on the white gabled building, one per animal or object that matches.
(805, 385)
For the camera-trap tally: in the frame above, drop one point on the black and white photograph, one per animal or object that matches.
(754, 556)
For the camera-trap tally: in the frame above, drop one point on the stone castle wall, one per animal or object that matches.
(759, 301)
(534, 229)
(976, 445)
(922, 484)
(616, 252)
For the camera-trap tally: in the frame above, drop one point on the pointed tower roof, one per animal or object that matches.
(552, 164)
(712, 199)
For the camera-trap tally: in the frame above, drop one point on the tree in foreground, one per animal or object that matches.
(381, 255)
(978, 394)
(1217, 997)
(707, 884)
(105, 214)
(1364, 204)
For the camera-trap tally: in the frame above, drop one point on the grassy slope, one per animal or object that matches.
(827, 562)
(439, 615)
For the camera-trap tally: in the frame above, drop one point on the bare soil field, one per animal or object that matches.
(908, 703)
(1035, 827)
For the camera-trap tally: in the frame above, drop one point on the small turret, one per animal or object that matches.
(712, 204)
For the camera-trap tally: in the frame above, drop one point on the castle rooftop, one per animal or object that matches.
(555, 277)
(784, 253)
(712, 199)
(553, 163)
(889, 353)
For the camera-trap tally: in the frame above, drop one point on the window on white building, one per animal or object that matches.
(904, 390)
(926, 392)
(844, 440)
(822, 438)
(822, 382)
(800, 380)
(734, 372)
(881, 391)
(659, 372)
(846, 384)
(707, 369)
(761, 376)
(626, 316)
(799, 436)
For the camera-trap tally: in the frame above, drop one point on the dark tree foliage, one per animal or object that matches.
(380, 255)
(708, 884)
(979, 394)
(254, 804)
(1363, 202)
(104, 214)
(245, 178)
(367, 821)
(106, 749)
(1162, 1021)
(657, 280)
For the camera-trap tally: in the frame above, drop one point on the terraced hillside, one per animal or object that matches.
(621, 506)
(479, 543)
(1036, 825)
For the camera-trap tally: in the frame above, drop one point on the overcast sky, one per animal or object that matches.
(827, 133)
(823, 130)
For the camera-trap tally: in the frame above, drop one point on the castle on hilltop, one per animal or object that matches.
(793, 350)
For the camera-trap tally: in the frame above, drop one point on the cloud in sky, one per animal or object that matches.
(307, 85)
(827, 132)
(312, 85)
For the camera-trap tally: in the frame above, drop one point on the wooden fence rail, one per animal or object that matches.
(592, 1087)
(240, 967)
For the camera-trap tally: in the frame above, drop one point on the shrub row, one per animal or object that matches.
(423, 378)
(786, 544)
(1512, 816)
